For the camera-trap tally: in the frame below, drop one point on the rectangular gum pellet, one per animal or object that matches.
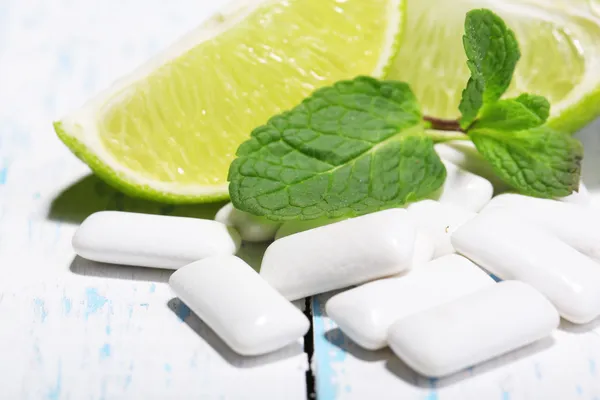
(574, 224)
(242, 309)
(511, 248)
(341, 254)
(365, 313)
(472, 329)
(147, 240)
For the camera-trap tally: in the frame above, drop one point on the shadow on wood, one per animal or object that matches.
(337, 338)
(402, 371)
(90, 195)
(579, 328)
(210, 337)
(81, 266)
(590, 137)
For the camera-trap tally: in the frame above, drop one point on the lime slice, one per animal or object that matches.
(559, 45)
(169, 130)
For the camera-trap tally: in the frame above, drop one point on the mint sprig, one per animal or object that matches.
(362, 145)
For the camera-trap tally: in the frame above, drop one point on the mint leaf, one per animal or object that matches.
(492, 54)
(525, 112)
(349, 149)
(538, 162)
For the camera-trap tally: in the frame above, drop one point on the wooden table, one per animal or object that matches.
(74, 329)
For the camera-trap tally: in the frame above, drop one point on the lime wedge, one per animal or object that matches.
(169, 130)
(559, 45)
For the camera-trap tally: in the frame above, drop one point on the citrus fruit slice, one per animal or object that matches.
(559, 45)
(169, 130)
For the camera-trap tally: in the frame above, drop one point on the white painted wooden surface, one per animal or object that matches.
(69, 328)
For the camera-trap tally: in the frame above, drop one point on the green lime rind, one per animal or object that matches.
(578, 115)
(125, 185)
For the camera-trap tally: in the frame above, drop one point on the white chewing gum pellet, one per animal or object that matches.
(424, 249)
(477, 327)
(581, 197)
(424, 244)
(365, 313)
(291, 227)
(342, 254)
(464, 155)
(250, 227)
(511, 248)
(574, 224)
(148, 240)
(438, 221)
(242, 309)
(464, 189)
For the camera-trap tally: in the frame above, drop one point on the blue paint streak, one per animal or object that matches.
(67, 305)
(105, 351)
(505, 395)
(108, 330)
(152, 287)
(3, 174)
(54, 393)
(103, 390)
(592, 365)
(432, 395)
(168, 367)
(64, 62)
(41, 309)
(325, 354)
(579, 390)
(94, 301)
(38, 353)
(182, 311)
(193, 360)
(129, 377)
(57, 232)
(494, 277)
(130, 308)
(538, 371)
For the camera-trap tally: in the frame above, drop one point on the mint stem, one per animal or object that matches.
(441, 124)
(440, 137)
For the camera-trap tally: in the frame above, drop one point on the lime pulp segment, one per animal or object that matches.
(559, 45)
(183, 123)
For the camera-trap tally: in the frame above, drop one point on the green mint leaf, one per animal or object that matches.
(525, 112)
(538, 162)
(349, 149)
(492, 54)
